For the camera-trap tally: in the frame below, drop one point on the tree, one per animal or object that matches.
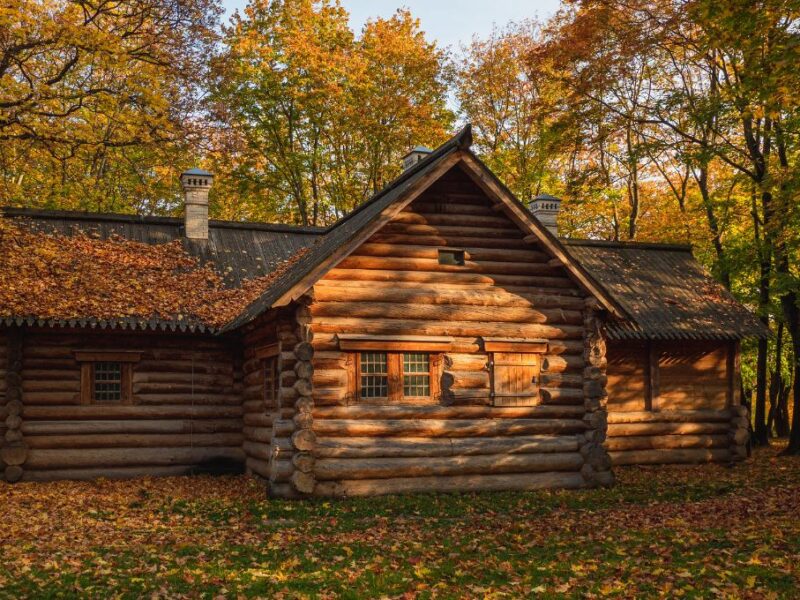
(97, 96)
(324, 116)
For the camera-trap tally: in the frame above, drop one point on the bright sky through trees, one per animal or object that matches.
(448, 22)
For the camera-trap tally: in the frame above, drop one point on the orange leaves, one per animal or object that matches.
(65, 277)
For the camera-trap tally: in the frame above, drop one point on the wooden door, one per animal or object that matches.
(515, 379)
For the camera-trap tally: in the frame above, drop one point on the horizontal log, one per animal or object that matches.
(412, 327)
(258, 466)
(458, 483)
(534, 281)
(434, 238)
(361, 447)
(449, 231)
(258, 450)
(434, 312)
(678, 456)
(96, 411)
(258, 434)
(280, 470)
(107, 473)
(636, 429)
(142, 440)
(377, 249)
(198, 399)
(666, 442)
(445, 428)
(447, 412)
(125, 457)
(162, 426)
(670, 416)
(409, 216)
(332, 469)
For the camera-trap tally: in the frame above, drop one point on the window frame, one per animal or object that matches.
(88, 361)
(395, 378)
(269, 357)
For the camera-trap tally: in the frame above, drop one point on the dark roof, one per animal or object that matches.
(666, 291)
(236, 250)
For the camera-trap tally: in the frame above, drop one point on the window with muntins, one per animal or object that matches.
(107, 385)
(396, 377)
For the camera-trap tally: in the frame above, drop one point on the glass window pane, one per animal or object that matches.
(374, 375)
(416, 374)
(108, 381)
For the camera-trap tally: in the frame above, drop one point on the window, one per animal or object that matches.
(271, 381)
(451, 257)
(270, 363)
(107, 381)
(106, 377)
(396, 377)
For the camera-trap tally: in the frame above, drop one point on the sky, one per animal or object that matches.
(449, 22)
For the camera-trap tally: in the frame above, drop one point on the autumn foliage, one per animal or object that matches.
(53, 276)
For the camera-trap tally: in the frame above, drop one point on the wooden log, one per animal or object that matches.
(303, 461)
(141, 440)
(446, 412)
(365, 447)
(487, 296)
(659, 428)
(304, 440)
(332, 469)
(304, 351)
(445, 428)
(410, 250)
(108, 473)
(259, 467)
(258, 450)
(124, 457)
(281, 469)
(458, 483)
(42, 428)
(656, 442)
(303, 482)
(96, 411)
(449, 279)
(447, 328)
(304, 369)
(437, 312)
(669, 416)
(674, 456)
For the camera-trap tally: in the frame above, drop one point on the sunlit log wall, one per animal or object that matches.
(675, 402)
(394, 285)
(184, 415)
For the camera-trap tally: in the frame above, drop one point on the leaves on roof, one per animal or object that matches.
(55, 276)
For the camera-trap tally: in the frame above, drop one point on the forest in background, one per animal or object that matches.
(656, 120)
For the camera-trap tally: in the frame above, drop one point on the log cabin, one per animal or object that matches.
(440, 337)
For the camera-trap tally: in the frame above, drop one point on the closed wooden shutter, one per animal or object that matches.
(515, 378)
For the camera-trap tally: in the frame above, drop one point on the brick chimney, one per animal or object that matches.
(196, 183)
(545, 208)
(414, 156)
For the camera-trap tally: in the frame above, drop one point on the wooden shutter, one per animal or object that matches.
(515, 378)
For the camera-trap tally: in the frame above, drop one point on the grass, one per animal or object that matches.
(707, 531)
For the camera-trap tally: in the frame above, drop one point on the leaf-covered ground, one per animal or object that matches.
(705, 531)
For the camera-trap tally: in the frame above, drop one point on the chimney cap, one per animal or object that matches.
(197, 172)
(547, 197)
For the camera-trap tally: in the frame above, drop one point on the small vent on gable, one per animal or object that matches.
(451, 257)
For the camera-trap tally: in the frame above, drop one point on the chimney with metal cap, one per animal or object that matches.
(196, 183)
(414, 156)
(545, 208)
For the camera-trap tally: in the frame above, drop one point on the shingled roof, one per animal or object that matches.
(666, 291)
(656, 291)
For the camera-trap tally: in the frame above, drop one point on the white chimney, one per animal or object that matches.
(414, 156)
(196, 183)
(545, 208)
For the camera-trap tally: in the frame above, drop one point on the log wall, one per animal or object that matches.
(675, 402)
(393, 284)
(185, 413)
